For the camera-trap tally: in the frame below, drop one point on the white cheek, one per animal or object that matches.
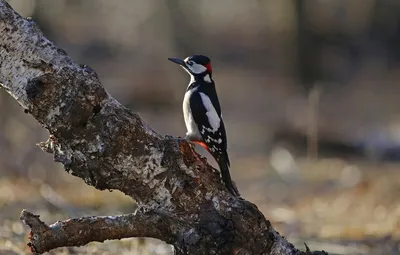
(197, 69)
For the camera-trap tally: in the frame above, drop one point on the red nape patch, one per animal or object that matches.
(209, 68)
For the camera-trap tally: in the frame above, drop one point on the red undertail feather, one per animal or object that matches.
(204, 145)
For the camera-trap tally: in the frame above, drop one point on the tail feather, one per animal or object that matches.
(224, 165)
(226, 177)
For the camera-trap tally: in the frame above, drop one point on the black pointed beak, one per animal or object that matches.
(178, 61)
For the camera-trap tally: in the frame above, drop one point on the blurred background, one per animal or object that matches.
(309, 95)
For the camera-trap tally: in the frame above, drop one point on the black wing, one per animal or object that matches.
(215, 140)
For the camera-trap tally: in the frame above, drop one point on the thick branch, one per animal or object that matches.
(109, 147)
(77, 232)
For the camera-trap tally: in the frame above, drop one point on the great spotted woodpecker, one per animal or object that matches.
(202, 114)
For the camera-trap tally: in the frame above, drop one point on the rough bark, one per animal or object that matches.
(77, 232)
(181, 198)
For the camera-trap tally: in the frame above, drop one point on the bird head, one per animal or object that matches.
(195, 65)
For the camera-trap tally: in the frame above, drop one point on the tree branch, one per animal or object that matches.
(77, 232)
(97, 139)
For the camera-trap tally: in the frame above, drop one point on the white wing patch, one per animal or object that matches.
(213, 118)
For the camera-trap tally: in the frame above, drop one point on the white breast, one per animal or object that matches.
(191, 126)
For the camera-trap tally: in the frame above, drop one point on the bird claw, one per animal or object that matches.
(187, 146)
(184, 145)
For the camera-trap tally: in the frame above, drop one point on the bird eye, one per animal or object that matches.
(190, 63)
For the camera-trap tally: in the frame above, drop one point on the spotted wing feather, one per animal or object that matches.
(215, 138)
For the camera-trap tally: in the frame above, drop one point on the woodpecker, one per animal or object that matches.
(202, 114)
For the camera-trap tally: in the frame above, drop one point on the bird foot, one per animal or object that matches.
(189, 146)
(184, 144)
